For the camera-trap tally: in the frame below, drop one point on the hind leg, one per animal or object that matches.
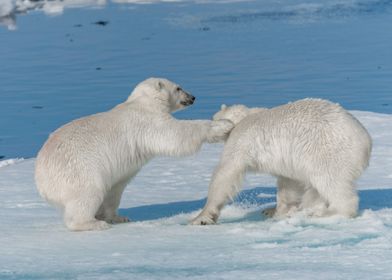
(341, 197)
(109, 207)
(312, 203)
(288, 198)
(344, 201)
(79, 215)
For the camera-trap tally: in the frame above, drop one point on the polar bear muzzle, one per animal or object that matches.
(188, 100)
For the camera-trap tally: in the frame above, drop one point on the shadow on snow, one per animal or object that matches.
(369, 199)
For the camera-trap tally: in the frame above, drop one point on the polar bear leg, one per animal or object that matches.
(312, 203)
(108, 210)
(225, 184)
(79, 215)
(288, 198)
(341, 197)
(290, 193)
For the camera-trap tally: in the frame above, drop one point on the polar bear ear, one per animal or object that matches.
(223, 107)
(159, 85)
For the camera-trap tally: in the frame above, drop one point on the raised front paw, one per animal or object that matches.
(219, 130)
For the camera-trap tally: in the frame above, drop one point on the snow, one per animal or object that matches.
(159, 244)
(10, 161)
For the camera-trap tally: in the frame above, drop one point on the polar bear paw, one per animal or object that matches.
(269, 212)
(112, 219)
(92, 225)
(219, 130)
(280, 212)
(118, 220)
(203, 220)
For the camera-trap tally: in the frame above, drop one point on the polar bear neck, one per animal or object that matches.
(247, 112)
(148, 103)
(256, 110)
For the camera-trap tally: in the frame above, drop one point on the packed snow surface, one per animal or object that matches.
(159, 244)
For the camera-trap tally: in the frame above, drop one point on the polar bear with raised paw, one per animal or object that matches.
(315, 148)
(85, 165)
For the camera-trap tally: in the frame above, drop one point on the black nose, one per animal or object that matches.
(193, 98)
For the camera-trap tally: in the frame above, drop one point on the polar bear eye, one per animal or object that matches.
(178, 88)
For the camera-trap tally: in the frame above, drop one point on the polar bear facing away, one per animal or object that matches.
(85, 165)
(315, 148)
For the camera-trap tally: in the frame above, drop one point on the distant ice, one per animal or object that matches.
(293, 10)
(6, 162)
(9, 9)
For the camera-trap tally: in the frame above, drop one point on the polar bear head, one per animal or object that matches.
(162, 93)
(234, 113)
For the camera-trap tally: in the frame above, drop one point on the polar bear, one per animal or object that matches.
(315, 148)
(85, 165)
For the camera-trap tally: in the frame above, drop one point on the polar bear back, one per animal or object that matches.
(310, 134)
(108, 144)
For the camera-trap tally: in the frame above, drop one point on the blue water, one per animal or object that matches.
(263, 53)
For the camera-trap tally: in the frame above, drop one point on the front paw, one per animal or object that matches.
(203, 220)
(219, 130)
(117, 220)
(269, 212)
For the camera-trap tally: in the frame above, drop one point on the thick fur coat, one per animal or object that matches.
(85, 165)
(315, 148)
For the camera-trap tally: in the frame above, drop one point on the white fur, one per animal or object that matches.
(85, 165)
(315, 148)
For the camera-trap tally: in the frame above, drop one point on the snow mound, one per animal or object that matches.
(10, 162)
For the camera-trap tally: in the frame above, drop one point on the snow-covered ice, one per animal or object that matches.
(9, 9)
(160, 245)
